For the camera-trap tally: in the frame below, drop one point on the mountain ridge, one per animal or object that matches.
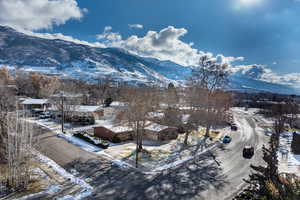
(79, 61)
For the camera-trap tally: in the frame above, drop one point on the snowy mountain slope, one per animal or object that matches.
(72, 60)
(80, 61)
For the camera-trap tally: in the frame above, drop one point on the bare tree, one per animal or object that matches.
(7, 105)
(206, 84)
(102, 89)
(35, 84)
(5, 76)
(19, 146)
(171, 97)
(65, 104)
(139, 101)
(292, 110)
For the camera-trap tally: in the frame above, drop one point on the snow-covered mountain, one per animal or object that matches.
(80, 61)
(72, 60)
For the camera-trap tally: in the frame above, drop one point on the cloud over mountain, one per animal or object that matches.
(263, 73)
(165, 44)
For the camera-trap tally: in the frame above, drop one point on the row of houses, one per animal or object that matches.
(152, 131)
(112, 132)
(37, 106)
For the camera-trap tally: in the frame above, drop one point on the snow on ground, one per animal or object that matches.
(288, 162)
(80, 143)
(88, 189)
(161, 160)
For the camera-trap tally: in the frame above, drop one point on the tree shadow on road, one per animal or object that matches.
(184, 182)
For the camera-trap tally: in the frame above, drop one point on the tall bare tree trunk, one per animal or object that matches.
(186, 137)
(207, 130)
(137, 145)
(19, 146)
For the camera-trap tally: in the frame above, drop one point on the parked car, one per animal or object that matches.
(268, 132)
(234, 127)
(44, 116)
(248, 152)
(226, 139)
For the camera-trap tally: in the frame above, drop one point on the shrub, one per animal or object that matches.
(108, 101)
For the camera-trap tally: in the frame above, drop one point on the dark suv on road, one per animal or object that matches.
(234, 127)
(248, 152)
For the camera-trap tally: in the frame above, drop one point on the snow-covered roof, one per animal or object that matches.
(156, 114)
(151, 126)
(86, 108)
(67, 95)
(79, 108)
(35, 101)
(117, 103)
(117, 128)
(185, 118)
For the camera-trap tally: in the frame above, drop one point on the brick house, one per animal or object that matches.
(114, 133)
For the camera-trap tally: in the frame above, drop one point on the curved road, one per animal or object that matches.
(234, 167)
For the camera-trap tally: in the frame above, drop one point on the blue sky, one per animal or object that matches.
(262, 31)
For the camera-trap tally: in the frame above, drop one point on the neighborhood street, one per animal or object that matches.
(199, 178)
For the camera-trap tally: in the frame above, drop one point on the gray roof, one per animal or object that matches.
(35, 102)
(79, 108)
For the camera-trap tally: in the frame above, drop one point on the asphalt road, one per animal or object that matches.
(60, 150)
(200, 178)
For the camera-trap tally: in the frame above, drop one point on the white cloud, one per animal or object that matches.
(139, 26)
(108, 36)
(262, 72)
(163, 45)
(38, 14)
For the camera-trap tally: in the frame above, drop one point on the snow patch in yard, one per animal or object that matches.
(174, 164)
(293, 160)
(288, 162)
(80, 143)
(88, 189)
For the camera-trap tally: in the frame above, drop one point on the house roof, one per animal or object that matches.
(117, 128)
(86, 108)
(35, 102)
(67, 95)
(151, 126)
(79, 108)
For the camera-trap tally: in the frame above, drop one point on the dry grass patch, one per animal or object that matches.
(36, 186)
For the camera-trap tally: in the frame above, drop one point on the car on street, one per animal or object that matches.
(44, 116)
(234, 127)
(226, 139)
(248, 152)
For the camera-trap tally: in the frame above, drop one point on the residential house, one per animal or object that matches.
(158, 132)
(114, 133)
(36, 104)
(77, 111)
